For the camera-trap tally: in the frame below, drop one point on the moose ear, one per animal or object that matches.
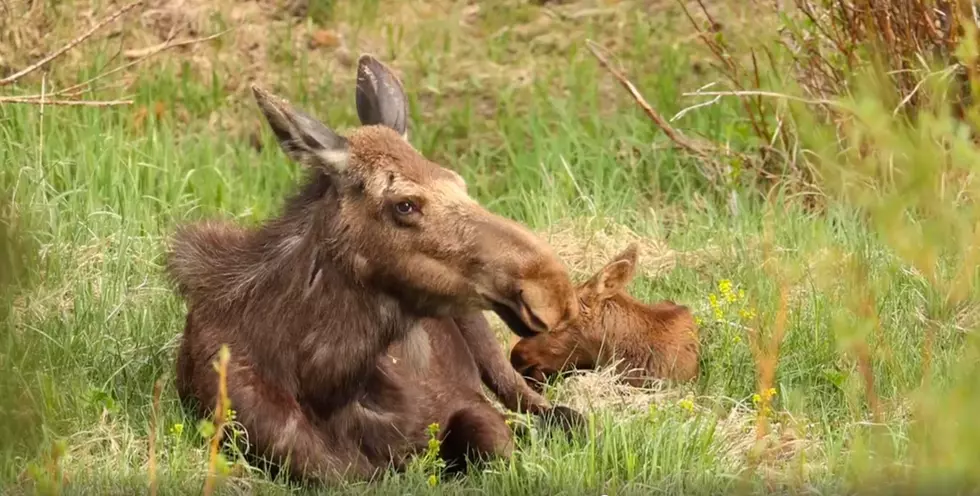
(616, 274)
(305, 139)
(380, 97)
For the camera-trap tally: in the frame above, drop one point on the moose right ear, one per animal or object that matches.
(305, 139)
(380, 97)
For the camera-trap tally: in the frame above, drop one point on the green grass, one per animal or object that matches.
(94, 323)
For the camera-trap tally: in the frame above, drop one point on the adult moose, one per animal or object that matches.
(658, 341)
(353, 318)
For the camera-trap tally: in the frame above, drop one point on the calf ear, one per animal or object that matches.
(303, 138)
(616, 274)
(380, 97)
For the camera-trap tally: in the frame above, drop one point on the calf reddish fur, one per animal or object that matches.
(658, 341)
(353, 318)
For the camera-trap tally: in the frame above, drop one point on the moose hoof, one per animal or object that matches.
(567, 419)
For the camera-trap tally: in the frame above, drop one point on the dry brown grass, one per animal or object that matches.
(585, 244)
(781, 454)
(815, 57)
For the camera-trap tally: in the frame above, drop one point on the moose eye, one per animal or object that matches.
(405, 207)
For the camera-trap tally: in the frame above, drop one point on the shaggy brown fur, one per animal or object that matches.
(340, 314)
(658, 341)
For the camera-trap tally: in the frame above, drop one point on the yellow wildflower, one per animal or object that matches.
(725, 288)
(687, 403)
(433, 480)
(747, 313)
(177, 429)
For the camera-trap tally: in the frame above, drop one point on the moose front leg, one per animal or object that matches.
(278, 428)
(501, 378)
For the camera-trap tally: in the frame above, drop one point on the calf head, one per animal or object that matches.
(605, 310)
(403, 225)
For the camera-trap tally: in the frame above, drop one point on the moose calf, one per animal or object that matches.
(658, 341)
(353, 318)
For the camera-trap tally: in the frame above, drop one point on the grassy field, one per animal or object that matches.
(870, 385)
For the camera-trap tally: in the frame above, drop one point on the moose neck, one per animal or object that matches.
(341, 324)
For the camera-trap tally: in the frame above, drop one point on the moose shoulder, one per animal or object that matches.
(658, 341)
(382, 254)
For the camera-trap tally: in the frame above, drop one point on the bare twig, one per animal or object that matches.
(77, 89)
(943, 75)
(71, 44)
(696, 106)
(142, 55)
(674, 135)
(772, 94)
(67, 103)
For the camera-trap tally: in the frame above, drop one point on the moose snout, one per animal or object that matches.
(523, 279)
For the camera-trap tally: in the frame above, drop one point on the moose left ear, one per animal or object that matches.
(616, 274)
(303, 138)
(380, 96)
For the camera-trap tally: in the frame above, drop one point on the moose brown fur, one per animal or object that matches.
(658, 341)
(353, 318)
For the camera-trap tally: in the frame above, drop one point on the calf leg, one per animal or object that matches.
(505, 382)
(475, 434)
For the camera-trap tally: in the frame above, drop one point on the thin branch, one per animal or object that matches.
(673, 134)
(143, 53)
(696, 106)
(77, 89)
(146, 54)
(943, 73)
(71, 44)
(67, 103)
(763, 93)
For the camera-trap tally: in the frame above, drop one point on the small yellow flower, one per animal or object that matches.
(737, 339)
(687, 403)
(177, 429)
(433, 480)
(713, 300)
(698, 321)
(719, 315)
(768, 394)
(747, 313)
(725, 288)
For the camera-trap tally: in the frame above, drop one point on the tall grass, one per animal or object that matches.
(839, 344)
